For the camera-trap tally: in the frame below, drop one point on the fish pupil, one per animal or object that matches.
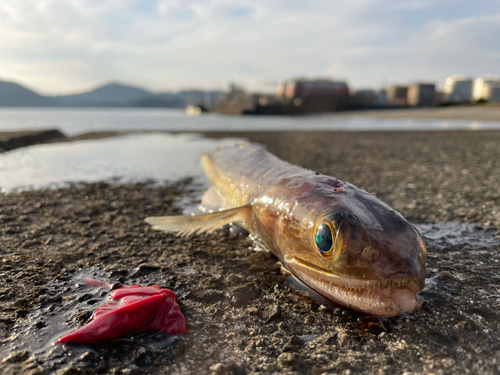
(324, 238)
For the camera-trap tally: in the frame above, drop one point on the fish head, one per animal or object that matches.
(365, 255)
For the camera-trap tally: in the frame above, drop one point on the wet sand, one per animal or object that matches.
(242, 315)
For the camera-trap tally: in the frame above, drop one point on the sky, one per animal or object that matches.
(69, 46)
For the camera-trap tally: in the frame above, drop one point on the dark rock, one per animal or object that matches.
(84, 297)
(244, 295)
(293, 344)
(274, 314)
(16, 357)
(209, 297)
(28, 138)
(83, 317)
(145, 268)
(331, 340)
(44, 299)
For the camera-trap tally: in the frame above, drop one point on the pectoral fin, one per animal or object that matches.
(188, 225)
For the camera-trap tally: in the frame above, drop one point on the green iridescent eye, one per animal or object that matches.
(324, 237)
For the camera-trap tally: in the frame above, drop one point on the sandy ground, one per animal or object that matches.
(243, 317)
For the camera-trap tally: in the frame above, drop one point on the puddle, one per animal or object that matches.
(452, 236)
(451, 247)
(131, 158)
(65, 304)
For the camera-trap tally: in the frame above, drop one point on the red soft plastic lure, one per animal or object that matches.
(132, 307)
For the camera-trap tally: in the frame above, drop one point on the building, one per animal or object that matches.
(366, 98)
(485, 88)
(382, 97)
(313, 95)
(300, 88)
(397, 95)
(491, 92)
(422, 95)
(457, 89)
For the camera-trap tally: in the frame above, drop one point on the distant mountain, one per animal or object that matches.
(113, 94)
(14, 95)
(110, 95)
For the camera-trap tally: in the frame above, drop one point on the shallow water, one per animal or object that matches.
(131, 158)
(76, 121)
(450, 236)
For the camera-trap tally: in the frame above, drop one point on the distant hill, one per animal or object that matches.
(110, 95)
(14, 95)
(113, 94)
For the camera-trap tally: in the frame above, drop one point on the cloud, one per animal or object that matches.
(170, 44)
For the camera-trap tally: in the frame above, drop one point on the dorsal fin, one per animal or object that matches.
(188, 225)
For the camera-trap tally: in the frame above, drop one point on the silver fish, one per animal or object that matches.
(336, 238)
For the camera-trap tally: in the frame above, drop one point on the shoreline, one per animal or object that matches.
(486, 113)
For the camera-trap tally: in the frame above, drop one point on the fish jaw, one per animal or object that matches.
(385, 298)
(380, 302)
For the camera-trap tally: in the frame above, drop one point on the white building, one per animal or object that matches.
(492, 92)
(457, 89)
(486, 88)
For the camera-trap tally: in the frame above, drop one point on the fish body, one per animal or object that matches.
(335, 237)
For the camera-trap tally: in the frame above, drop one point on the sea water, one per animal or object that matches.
(74, 121)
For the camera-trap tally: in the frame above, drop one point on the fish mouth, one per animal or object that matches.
(380, 297)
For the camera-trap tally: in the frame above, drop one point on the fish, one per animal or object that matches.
(336, 238)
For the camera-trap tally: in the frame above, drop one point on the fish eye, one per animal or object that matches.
(324, 238)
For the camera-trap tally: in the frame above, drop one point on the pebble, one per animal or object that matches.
(16, 357)
(323, 308)
(274, 314)
(141, 352)
(309, 319)
(244, 295)
(287, 359)
(331, 340)
(345, 340)
(445, 275)
(132, 370)
(44, 299)
(222, 369)
(283, 327)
